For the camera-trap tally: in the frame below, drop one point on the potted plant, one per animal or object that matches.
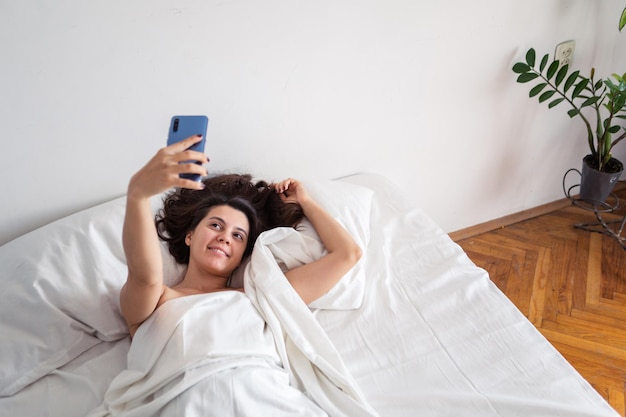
(598, 103)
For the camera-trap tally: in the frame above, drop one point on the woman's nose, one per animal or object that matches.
(223, 238)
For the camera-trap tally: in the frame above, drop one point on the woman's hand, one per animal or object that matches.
(292, 191)
(162, 171)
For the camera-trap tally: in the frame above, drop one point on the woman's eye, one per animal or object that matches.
(238, 236)
(216, 226)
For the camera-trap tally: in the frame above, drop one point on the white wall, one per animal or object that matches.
(421, 92)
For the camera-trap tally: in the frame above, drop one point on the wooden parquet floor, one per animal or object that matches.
(571, 284)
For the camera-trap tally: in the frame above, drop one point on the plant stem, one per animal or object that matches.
(602, 134)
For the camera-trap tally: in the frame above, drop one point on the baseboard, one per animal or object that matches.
(517, 217)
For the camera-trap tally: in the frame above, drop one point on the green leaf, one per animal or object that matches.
(570, 80)
(618, 105)
(573, 112)
(530, 57)
(614, 129)
(537, 89)
(580, 87)
(618, 89)
(555, 102)
(544, 62)
(528, 76)
(520, 68)
(619, 78)
(561, 75)
(590, 101)
(622, 20)
(552, 69)
(545, 96)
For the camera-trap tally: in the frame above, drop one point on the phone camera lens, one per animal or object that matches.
(175, 127)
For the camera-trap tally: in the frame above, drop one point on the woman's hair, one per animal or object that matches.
(183, 209)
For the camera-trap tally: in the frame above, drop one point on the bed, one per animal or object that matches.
(418, 328)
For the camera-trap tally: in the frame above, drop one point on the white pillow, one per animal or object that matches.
(60, 286)
(60, 291)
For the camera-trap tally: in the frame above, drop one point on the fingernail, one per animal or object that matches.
(199, 135)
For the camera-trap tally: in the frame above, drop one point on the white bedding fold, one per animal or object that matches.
(313, 363)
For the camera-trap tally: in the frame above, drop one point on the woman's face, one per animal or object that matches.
(219, 241)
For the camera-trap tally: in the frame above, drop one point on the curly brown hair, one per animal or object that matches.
(183, 209)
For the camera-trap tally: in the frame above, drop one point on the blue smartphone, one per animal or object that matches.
(181, 127)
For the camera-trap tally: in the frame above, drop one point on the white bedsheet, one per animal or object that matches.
(435, 337)
(432, 336)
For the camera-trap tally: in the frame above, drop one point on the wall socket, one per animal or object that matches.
(565, 53)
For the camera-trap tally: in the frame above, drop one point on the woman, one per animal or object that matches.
(145, 290)
(213, 242)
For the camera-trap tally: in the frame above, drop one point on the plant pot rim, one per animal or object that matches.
(616, 161)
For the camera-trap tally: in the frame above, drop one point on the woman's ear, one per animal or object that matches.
(188, 238)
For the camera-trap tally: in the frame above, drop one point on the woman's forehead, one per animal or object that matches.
(229, 215)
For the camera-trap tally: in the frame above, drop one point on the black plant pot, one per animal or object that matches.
(596, 186)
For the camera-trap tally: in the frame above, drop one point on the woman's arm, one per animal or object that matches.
(313, 280)
(144, 286)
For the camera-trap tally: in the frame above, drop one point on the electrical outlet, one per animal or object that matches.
(565, 53)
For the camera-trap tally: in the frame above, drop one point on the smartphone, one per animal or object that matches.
(181, 127)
